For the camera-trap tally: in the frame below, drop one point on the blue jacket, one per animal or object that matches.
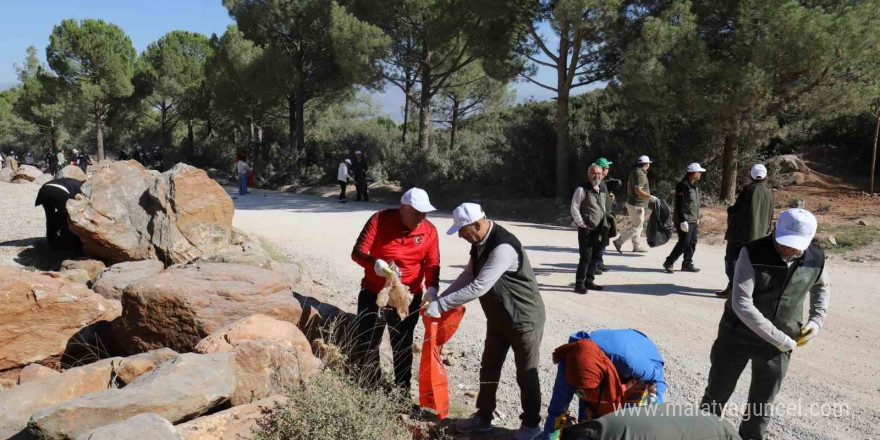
(631, 352)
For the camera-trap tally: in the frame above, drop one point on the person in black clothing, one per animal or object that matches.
(51, 158)
(53, 197)
(359, 169)
(82, 160)
(686, 217)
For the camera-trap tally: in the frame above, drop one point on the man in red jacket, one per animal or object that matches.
(406, 238)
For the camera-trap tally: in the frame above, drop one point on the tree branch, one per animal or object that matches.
(553, 89)
(541, 43)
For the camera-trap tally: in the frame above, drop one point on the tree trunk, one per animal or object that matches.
(562, 165)
(874, 158)
(99, 131)
(192, 140)
(291, 120)
(53, 136)
(425, 102)
(300, 126)
(407, 92)
(454, 124)
(164, 140)
(731, 161)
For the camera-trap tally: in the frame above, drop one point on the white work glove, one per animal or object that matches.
(430, 294)
(433, 309)
(653, 199)
(381, 268)
(787, 346)
(684, 227)
(808, 332)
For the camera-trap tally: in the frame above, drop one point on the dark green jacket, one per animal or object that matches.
(751, 217)
(687, 202)
(638, 177)
(780, 290)
(515, 299)
(661, 422)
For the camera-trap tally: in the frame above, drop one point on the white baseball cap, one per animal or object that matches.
(759, 171)
(358, 152)
(644, 159)
(796, 228)
(417, 198)
(465, 214)
(696, 168)
(348, 161)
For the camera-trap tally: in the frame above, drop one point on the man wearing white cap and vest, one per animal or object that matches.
(686, 217)
(762, 320)
(342, 176)
(500, 275)
(403, 240)
(749, 219)
(638, 196)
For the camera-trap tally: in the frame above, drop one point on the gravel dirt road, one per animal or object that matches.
(835, 373)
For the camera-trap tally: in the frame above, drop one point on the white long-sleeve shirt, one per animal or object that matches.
(467, 288)
(342, 173)
(743, 304)
(242, 167)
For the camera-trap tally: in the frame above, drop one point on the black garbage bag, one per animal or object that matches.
(662, 422)
(659, 224)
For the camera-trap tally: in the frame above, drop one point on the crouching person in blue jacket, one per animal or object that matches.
(606, 369)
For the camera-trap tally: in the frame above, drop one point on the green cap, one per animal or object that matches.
(602, 162)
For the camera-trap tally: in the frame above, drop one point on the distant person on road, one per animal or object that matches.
(29, 158)
(686, 218)
(401, 240)
(342, 175)
(62, 159)
(51, 160)
(359, 169)
(53, 197)
(607, 369)
(500, 275)
(762, 318)
(157, 158)
(749, 219)
(638, 196)
(242, 168)
(609, 185)
(82, 160)
(589, 206)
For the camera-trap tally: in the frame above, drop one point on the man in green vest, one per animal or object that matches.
(749, 219)
(589, 207)
(762, 318)
(638, 196)
(500, 275)
(686, 218)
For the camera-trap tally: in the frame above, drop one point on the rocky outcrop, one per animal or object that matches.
(142, 426)
(184, 304)
(40, 314)
(73, 172)
(113, 281)
(264, 368)
(27, 173)
(254, 327)
(237, 423)
(178, 390)
(34, 372)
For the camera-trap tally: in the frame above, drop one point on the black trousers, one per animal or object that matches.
(730, 257)
(729, 358)
(361, 187)
(370, 326)
(58, 234)
(590, 248)
(526, 355)
(687, 245)
(342, 186)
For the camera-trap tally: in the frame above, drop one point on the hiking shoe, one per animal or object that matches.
(475, 423)
(723, 293)
(617, 246)
(527, 433)
(690, 268)
(593, 286)
(581, 290)
(598, 272)
(668, 268)
(604, 268)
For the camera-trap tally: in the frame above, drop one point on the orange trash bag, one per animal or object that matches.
(250, 179)
(433, 391)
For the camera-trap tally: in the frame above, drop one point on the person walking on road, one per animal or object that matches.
(242, 168)
(762, 318)
(749, 219)
(638, 197)
(403, 240)
(342, 176)
(500, 275)
(686, 219)
(588, 213)
(359, 169)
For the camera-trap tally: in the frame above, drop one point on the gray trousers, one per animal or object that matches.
(526, 354)
(729, 358)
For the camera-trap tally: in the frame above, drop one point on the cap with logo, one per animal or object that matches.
(644, 159)
(796, 228)
(465, 214)
(759, 171)
(418, 199)
(602, 162)
(696, 168)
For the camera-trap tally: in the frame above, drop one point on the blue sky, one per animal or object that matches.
(29, 22)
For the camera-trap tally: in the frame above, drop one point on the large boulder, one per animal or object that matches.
(183, 304)
(265, 368)
(40, 314)
(111, 219)
(236, 423)
(73, 172)
(113, 281)
(142, 426)
(254, 327)
(191, 214)
(27, 173)
(178, 390)
(788, 163)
